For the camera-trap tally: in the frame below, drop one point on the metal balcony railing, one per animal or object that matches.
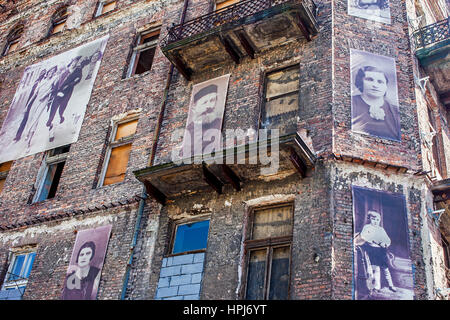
(224, 16)
(432, 34)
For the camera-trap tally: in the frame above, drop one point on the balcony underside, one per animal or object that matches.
(169, 181)
(435, 59)
(231, 42)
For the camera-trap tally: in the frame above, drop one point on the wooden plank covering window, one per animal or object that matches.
(281, 100)
(4, 168)
(272, 222)
(226, 3)
(126, 129)
(109, 6)
(117, 164)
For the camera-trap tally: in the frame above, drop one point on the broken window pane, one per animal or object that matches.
(144, 53)
(51, 181)
(191, 236)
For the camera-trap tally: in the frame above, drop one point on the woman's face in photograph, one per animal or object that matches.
(375, 84)
(85, 257)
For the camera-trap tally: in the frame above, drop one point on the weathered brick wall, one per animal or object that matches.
(352, 32)
(223, 272)
(110, 97)
(55, 241)
(344, 175)
(244, 97)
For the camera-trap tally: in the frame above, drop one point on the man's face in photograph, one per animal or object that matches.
(205, 106)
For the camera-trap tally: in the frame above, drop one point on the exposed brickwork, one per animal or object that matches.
(322, 250)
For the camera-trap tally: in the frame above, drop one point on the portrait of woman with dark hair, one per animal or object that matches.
(82, 281)
(374, 108)
(83, 274)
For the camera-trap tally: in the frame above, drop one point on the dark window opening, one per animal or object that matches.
(12, 40)
(144, 53)
(59, 20)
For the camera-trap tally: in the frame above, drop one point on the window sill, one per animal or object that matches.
(185, 253)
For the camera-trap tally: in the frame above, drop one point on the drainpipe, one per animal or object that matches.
(137, 227)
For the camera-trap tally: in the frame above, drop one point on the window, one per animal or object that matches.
(12, 40)
(190, 237)
(268, 252)
(143, 53)
(118, 151)
(4, 170)
(104, 7)
(280, 107)
(225, 3)
(19, 270)
(50, 173)
(59, 20)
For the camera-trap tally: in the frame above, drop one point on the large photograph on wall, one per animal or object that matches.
(374, 92)
(382, 262)
(86, 263)
(205, 118)
(48, 107)
(376, 10)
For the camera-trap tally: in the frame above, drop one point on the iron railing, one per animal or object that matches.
(432, 34)
(224, 16)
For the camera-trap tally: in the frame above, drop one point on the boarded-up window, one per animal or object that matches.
(268, 253)
(281, 100)
(4, 169)
(143, 53)
(435, 140)
(223, 4)
(119, 152)
(105, 6)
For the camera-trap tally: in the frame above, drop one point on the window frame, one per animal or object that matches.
(264, 100)
(4, 174)
(20, 282)
(49, 160)
(269, 244)
(101, 4)
(174, 228)
(59, 17)
(112, 143)
(141, 47)
(13, 38)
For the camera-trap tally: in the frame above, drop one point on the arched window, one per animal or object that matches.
(12, 41)
(59, 20)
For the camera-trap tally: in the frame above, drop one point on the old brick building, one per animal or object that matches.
(224, 225)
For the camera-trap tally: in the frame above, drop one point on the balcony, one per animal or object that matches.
(432, 48)
(167, 182)
(240, 30)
